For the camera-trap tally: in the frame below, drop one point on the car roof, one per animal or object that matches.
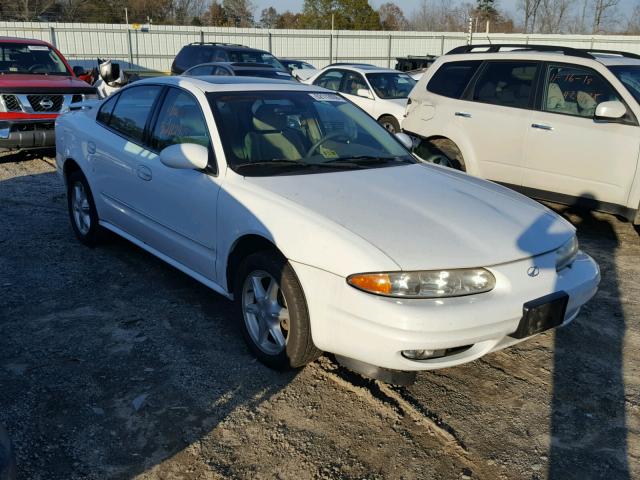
(222, 83)
(361, 68)
(28, 41)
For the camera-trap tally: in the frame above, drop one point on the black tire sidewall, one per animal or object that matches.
(91, 238)
(300, 349)
(391, 120)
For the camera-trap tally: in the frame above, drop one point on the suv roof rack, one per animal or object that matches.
(494, 48)
(573, 52)
(219, 43)
(612, 52)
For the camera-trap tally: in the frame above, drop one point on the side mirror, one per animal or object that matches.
(405, 140)
(364, 92)
(612, 110)
(189, 156)
(78, 70)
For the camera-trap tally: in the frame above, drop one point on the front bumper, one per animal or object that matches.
(375, 330)
(24, 134)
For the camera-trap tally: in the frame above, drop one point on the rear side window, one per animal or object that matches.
(193, 55)
(452, 78)
(509, 84)
(330, 80)
(104, 114)
(130, 114)
(202, 70)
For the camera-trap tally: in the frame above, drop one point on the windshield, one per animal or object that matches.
(30, 59)
(391, 85)
(264, 73)
(278, 132)
(629, 75)
(254, 56)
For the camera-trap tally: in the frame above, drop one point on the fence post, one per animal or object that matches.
(270, 43)
(389, 52)
(591, 43)
(442, 45)
(201, 36)
(52, 35)
(330, 49)
(130, 47)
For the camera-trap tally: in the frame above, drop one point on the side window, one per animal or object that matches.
(132, 110)
(219, 56)
(509, 84)
(201, 70)
(180, 121)
(330, 80)
(452, 78)
(222, 71)
(354, 82)
(104, 114)
(575, 90)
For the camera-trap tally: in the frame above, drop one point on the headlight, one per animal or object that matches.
(566, 254)
(425, 284)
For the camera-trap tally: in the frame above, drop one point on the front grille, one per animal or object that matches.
(12, 103)
(45, 103)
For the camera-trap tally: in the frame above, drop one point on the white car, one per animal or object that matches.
(380, 92)
(324, 229)
(555, 123)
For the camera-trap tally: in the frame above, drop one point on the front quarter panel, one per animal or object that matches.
(300, 234)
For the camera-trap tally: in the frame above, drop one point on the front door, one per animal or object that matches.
(568, 151)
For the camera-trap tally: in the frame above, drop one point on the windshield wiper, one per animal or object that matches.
(363, 160)
(299, 164)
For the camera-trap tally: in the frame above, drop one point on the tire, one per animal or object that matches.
(82, 210)
(443, 152)
(390, 123)
(283, 310)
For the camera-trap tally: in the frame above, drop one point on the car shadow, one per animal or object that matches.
(111, 361)
(588, 425)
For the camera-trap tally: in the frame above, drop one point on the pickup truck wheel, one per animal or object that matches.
(82, 210)
(390, 123)
(441, 151)
(275, 320)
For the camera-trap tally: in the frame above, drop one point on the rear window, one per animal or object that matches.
(452, 78)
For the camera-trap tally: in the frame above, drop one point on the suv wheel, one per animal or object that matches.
(441, 151)
(275, 320)
(82, 209)
(390, 123)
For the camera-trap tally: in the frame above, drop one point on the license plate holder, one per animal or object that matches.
(542, 314)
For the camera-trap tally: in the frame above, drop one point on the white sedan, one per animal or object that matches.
(381, 92)
(319, 223)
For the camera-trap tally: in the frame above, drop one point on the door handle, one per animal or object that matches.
(91, 148)
(463, 114)
(144, 173)
(541, 126)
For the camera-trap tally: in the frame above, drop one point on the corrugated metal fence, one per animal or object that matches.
(155, 49)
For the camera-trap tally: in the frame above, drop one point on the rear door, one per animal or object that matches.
(568, 151)
(118, 155)
(493, 116)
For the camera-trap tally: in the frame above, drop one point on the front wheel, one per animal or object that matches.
(275, 320)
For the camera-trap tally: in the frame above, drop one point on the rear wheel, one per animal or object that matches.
(275, 320)
(390, 123)
(441, 151)
(82, 209)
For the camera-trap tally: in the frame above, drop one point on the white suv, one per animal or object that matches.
(380, 92)
(556, 123)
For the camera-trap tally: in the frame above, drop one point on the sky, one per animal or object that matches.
(407, 5)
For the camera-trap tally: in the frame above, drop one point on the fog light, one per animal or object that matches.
(417, 354)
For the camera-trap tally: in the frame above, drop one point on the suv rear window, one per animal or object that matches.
(452, 78)
(193, 55)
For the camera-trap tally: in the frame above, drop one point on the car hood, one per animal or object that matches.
(427, 217)
(25, 82)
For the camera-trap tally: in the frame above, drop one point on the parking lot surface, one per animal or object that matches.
(115, 365)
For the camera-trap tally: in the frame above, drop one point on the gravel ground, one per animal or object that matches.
(115, 365)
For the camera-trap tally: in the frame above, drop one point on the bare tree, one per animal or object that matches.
(554, 15)
(603, 11)
(392, 17)
(530, 11)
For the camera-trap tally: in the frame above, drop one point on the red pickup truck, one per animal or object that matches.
(36, 84)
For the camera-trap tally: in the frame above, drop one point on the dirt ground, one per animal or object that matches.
(115, 365)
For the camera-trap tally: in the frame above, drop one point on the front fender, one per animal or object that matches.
(300, 234)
